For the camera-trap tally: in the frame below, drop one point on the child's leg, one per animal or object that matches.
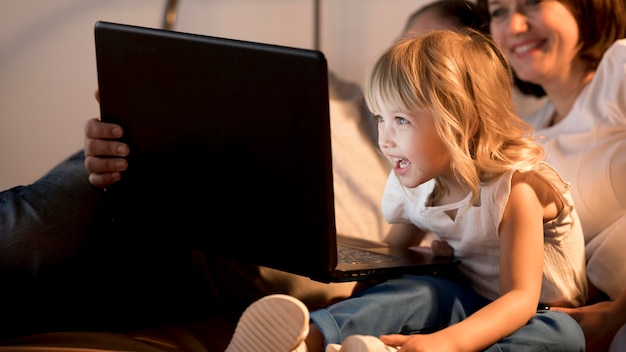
(405, 305)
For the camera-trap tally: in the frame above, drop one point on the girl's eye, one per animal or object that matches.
(379, 118)
(401, 120)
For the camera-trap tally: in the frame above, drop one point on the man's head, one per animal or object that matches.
(444, 14)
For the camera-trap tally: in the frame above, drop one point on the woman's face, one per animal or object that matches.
(539, 37)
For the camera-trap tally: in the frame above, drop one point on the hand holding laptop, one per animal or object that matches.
(105, 155)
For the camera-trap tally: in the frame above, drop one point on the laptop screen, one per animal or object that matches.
(230, 144)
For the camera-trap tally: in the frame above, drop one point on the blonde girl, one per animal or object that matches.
(466, 168)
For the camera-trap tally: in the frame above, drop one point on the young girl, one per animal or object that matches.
(466, 168)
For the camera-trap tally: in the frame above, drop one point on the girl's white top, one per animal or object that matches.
(588, 148)
(473, 234)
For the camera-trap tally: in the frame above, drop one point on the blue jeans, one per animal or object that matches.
(64, 267)
(45, 223)
(424, 304)
(61, 266)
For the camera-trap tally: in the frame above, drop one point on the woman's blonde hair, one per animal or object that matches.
(464, 80)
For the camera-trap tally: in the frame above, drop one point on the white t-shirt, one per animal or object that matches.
(588, 148)
(473, 234)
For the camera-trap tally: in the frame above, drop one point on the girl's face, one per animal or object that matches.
(539, 37)
(413, 146)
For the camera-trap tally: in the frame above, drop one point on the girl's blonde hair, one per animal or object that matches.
(464, 80)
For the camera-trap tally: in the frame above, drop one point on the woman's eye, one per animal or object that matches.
(497, 10)
(495, 13)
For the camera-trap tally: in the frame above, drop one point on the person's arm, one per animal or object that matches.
(599, 321)
(104, 154)
(404, 235)
(521, 267)
(409, 235)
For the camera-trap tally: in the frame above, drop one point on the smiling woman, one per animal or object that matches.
(573, 51)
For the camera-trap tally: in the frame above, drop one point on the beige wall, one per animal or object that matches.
(47, 63)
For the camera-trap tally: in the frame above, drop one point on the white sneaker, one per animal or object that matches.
(275, 323)
(360, 343)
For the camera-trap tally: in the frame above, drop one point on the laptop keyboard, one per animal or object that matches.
(351, 255)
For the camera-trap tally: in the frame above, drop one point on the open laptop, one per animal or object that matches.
(231, 150)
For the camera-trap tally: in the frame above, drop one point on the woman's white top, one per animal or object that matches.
(473, 234)
(588, 148)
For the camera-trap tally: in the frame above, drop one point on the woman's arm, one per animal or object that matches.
(599, 321)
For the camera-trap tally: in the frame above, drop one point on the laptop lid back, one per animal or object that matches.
(230, 145)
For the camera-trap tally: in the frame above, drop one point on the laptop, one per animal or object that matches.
(231, 151)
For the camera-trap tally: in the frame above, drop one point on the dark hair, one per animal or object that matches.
(600, 24)
(463, 13)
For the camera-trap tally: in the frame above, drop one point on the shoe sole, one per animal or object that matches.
(275, 323)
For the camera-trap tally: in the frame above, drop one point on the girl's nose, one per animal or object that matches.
(384, 140)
